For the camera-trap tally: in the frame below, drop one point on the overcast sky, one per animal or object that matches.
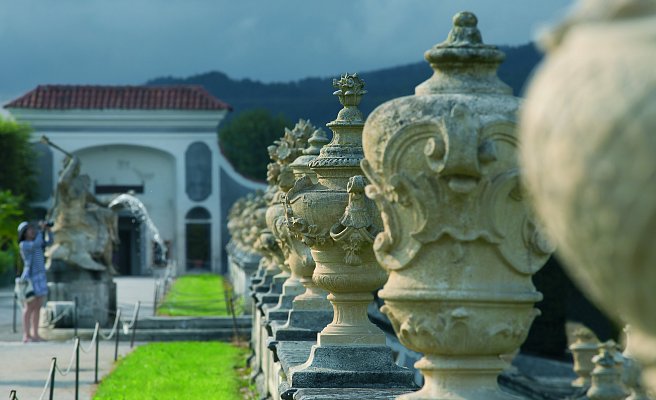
(131, 41)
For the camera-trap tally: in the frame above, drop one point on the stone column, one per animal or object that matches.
(458, 241)
(338, 223)
(589, 155)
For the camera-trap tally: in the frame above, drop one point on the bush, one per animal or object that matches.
(11, 215)
(7, 261)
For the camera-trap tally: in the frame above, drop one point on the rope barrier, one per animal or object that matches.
(93, 339)
(53, 365)
(70, 364)
(135, 313)
(77, 346)
(114, 328)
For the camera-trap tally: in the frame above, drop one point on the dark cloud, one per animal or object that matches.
(130, 41)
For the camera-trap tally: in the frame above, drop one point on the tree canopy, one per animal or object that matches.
(18, 160)
(245, 138)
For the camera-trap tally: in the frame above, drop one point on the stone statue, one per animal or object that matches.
(86, 229)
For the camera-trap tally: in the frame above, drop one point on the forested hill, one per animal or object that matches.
(311, 97)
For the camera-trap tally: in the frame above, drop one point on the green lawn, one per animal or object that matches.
(195, 296)
(177, 371)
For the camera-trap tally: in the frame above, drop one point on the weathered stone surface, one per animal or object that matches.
(458, 240)
(588, 154)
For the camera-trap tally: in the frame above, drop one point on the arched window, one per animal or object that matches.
(199, 239)
(198, 171)
(43, 162)
(198, 213)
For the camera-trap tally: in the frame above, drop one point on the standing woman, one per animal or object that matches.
(32, 243)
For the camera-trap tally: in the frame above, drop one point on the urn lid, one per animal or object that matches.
(463, 63)
(315, 143)
(345, 149)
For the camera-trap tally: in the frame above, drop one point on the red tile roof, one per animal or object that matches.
(67, 97)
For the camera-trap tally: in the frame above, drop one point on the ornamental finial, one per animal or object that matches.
(316, 142)
(465, 31)
(350, 88)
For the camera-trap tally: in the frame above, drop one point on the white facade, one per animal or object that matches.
(149, 148)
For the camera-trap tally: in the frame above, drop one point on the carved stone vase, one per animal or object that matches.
(266, 245)
(584, 348)
(311, 311)
(283, 152)
(589, 144)
(335, 219)
(458, 241)
(606, 382)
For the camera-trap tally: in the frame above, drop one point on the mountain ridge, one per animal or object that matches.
(311, 98)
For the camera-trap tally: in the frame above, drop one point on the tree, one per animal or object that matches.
(244, 140)
(17, 172)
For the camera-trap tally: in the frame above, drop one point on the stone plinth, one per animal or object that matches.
(95, 292)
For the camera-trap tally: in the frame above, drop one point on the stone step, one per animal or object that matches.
(151, 335)
(193, 322)
(168, 335)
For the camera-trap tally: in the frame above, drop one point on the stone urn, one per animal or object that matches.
(606, 382)
(584, 348)
(283, 152)
(311, 311)
(266, 244)
(458, 241)
(589, 144)
(335, 219)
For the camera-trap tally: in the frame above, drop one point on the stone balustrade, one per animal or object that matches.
(425, 201)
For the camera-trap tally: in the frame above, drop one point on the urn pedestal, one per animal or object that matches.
(458, 241)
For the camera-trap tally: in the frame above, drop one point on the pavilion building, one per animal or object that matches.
(158, 143)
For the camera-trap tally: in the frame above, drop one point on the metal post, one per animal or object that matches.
(134, 327)
(75, 317)
(52, 378)
(77, 368)
(13, 324)
(117, 333)
(95, 379)
(156, 296)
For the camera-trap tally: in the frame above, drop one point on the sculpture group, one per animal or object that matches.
(427, 200)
